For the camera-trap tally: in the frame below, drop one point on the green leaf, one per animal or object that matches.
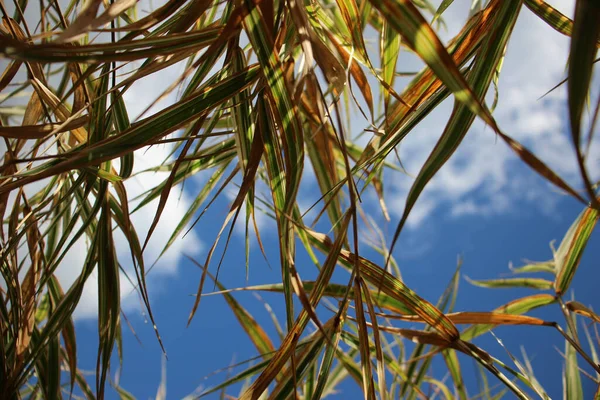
(453, 365)
(544, 266)
(571, 375)
(586, 33)
(390, 50)
(534, 283)
(441, 8)
(571, 248)
(255, 332)
(145, 131)
(405, 18)
(109, 298)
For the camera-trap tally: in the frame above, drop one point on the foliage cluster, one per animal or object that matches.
(267, 88)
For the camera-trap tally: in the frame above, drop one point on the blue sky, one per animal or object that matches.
(484, 206)
(215, 340)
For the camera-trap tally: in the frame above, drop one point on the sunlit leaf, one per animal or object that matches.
(534, 283)
(571, 248)
(515, 307)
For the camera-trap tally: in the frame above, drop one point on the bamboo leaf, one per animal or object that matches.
(534, 283)
(471, 317)
(571, 379)
(580, 309)
(393, 287)
(326, 363)
(68, 333)
(255, 332)
(586, 33)
(285, 114)
(571, 248)
(451, 360)
(480, 77)
(557, 20)
(515, 307)
(544, 266)
(368, 384)
(404, 17)
(108, 299)
(337, 291)
(288, 344)
(145, 131)
(390, 50)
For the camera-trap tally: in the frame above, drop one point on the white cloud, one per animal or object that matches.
(137, 98)
(484, 177)
(479, 179)
(173, 212)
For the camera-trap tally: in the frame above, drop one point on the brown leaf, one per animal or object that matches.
(87, 20)
(40, 131)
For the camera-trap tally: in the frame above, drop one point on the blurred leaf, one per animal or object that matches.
(586, 33)
(124, 394)
(544, 266)
(580, 309)
(453, 365)
(551, 16)
(40, 131)
(571, 379)
(441, 8)
(87, 19)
